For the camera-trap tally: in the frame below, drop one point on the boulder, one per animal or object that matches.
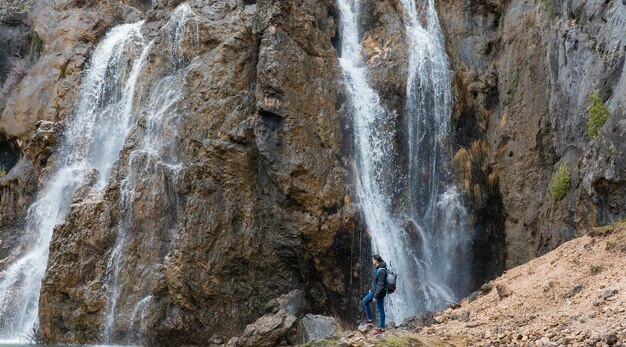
(316, 327)
(268, 330)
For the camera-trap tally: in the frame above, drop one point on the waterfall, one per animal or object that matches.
(92, 141)
(425, 238)
(151, 172)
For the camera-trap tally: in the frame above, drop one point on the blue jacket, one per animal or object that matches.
(379, 287)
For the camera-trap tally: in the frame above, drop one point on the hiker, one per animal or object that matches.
(377, 293)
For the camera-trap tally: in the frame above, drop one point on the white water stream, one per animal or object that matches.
(93, 137)
(414, 215)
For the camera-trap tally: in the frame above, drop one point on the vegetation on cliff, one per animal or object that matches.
(561, 183)
(598, 114)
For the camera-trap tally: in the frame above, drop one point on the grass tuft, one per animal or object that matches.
(595, 269)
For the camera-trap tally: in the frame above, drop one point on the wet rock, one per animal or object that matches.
(315, 327)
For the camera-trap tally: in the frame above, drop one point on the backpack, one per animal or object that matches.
(391, 280)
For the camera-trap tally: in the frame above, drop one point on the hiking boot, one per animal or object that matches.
(379, 331)
(369, 321)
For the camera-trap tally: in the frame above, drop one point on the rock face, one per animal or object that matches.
(259, 208)
(261, 205)
(524, 71)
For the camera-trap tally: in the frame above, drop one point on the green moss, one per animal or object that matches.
(62, 71)
(561, 183)
(36, 44)
(3, 172)
(598, 114)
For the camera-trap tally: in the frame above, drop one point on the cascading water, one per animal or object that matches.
(423, 239)
(92, 141)
(152, 168)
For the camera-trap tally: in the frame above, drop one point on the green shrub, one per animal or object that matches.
(3, 172)
(598, 114)
(561, 183)
(595, 269)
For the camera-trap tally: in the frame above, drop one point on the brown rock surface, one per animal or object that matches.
(524, 70)
(258, 208)
(261, 205)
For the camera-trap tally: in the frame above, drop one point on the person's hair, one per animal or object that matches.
(378, 258)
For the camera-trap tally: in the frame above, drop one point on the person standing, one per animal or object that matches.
(377, 293)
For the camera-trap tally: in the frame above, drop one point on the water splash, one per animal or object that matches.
(93, 138)
(413, 213)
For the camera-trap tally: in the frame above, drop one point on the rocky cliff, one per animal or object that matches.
(528, 75)
(263, 202)
(260, 206)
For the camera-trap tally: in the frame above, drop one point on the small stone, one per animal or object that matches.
(365, 327)
(545, 341)
(608, 293)
(577, 289)
(503, 291)
(611, 338)
(472, 324)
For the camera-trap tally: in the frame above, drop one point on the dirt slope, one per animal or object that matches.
(574, 295)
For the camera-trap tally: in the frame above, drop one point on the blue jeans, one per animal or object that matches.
(380, 306)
